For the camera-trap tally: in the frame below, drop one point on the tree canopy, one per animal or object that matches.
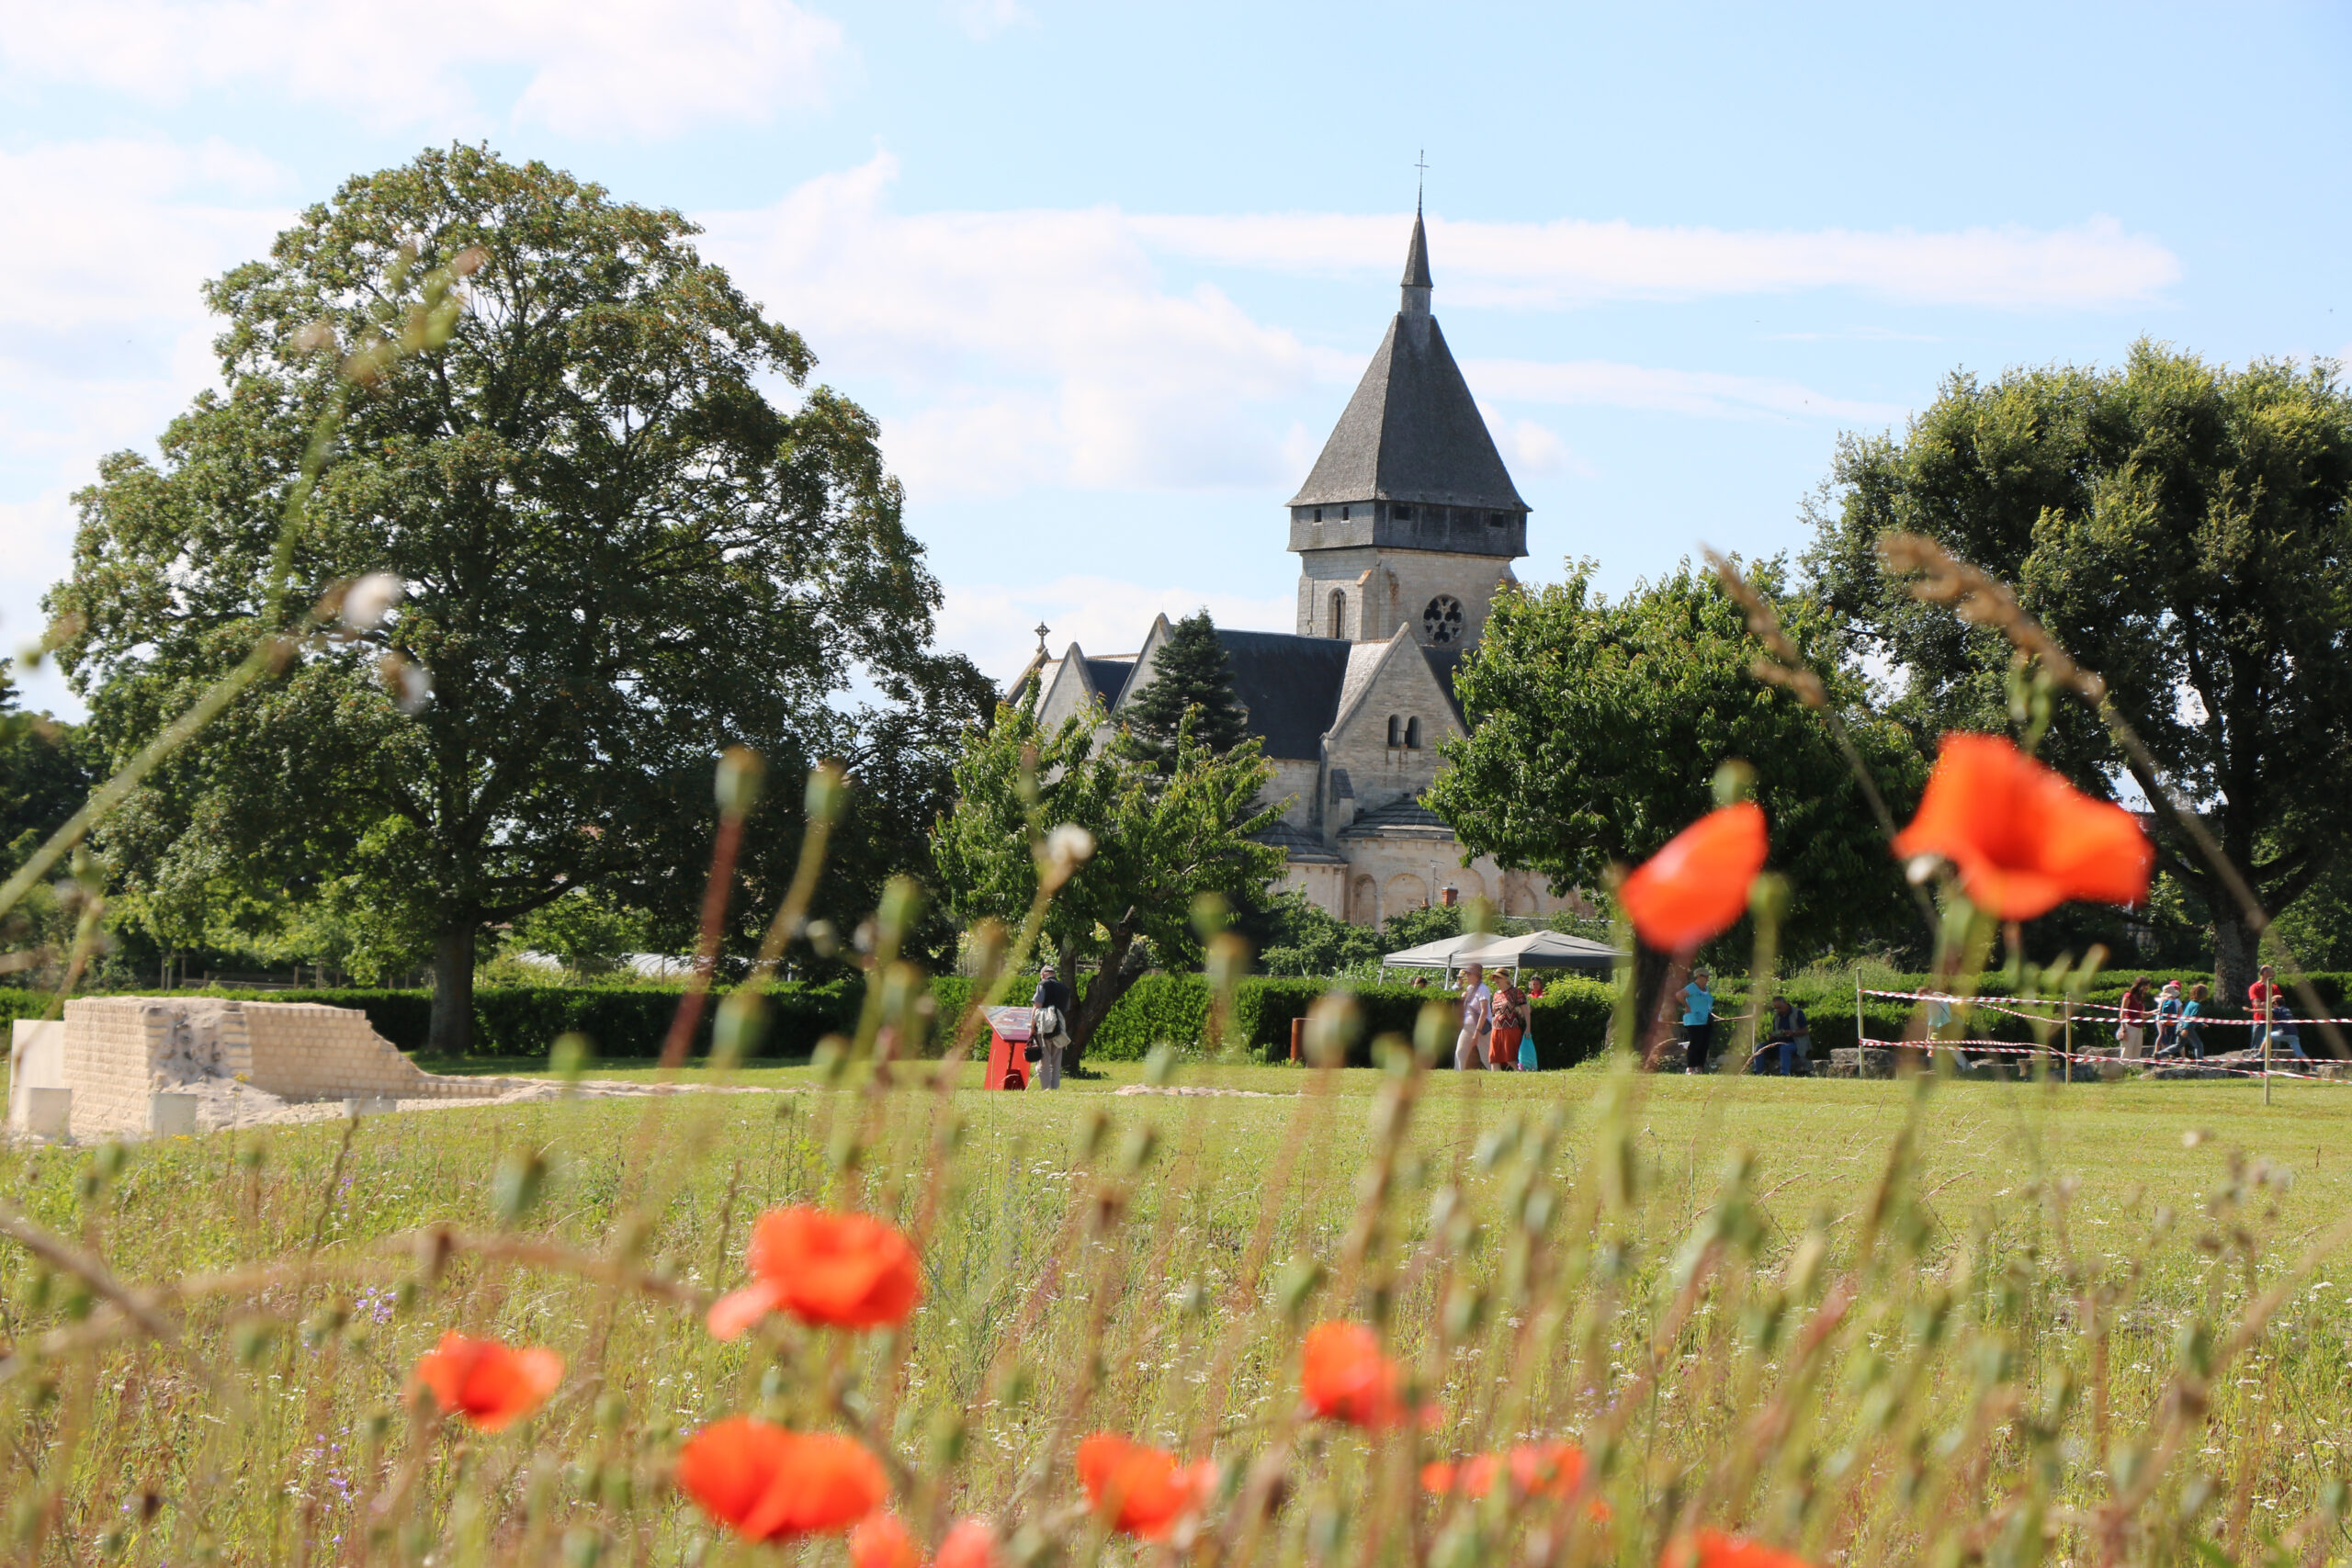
(620, 557)
(1160, 842)
(1597, 728)
(2182, 529)
(1191, 674)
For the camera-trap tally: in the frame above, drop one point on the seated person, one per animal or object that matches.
(1789, 1040)
(2285, 1038)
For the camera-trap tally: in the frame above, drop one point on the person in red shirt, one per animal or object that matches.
(2259, 997)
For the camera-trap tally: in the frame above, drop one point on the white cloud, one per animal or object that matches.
(1547, 266)
(1038, 348)
(110, 231)
(590, 67)
(983, 19)
(1704, 393)
(1532, 448)
(994, 624)
(103, 332)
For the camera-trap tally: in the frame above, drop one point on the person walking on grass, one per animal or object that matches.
(1510, 1025)
(2260, 998)
(2192, 1026)
(2132, 1030)
(1698, 1005)
(1049, 1026)
(2169, 1009)
(1470, 1047)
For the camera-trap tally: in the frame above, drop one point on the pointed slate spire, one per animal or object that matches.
(1412, 433)
(1417, 268)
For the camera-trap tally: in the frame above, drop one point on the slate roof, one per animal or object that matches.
(1412, 432)
(1291, 686)
(1110, 677)
(1300, 845)
(1405, 819)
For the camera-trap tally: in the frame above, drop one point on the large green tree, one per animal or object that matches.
(2182, 529)
(1160, 841)
(45, 773)
(1597, 727)
(621, 555)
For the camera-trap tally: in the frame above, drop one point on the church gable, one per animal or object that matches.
(1068, 691)
(1390, 724)
(1146, 663)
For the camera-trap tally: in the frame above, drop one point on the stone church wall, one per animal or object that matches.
(1380, 772)
(1293, 788)
(1399, 588)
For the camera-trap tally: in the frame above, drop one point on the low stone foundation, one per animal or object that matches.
(234, 1057)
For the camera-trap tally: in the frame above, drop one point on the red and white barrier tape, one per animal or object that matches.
(2014, 1005)
(2011, 1048)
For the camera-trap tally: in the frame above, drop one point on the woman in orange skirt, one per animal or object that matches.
(1510, 1024)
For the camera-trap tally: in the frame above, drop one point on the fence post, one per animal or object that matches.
(2067, 1012)
(1860, 1031)
(2269, 1029)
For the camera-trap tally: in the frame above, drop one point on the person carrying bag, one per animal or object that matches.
(1048, 1028)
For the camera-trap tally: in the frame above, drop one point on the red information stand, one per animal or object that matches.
(1008, 1048)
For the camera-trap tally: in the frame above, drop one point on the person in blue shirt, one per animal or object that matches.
(2192, 1031)
(2170, 1010)
(1698, 1005)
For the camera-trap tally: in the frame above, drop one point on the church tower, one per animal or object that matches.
(1409, 518)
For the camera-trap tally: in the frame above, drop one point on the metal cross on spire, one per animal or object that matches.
(1420, 161)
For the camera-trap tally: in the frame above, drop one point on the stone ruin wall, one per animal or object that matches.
(121, 1050)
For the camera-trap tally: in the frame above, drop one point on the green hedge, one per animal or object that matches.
(1571, 1020)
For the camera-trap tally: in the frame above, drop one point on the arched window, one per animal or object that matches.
(1396, 730)
(1413, 734)
(1339, 614)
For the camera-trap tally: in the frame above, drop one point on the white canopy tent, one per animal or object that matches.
(1537, 950)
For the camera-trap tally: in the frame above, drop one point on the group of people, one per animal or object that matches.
(1494, 1022)
(1783, 1047)
(2179, 1020)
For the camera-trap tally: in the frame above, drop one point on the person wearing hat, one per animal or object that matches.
(1049, 1027)
(2169, 1009)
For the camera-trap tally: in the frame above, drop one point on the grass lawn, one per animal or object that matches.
(1553, 1254)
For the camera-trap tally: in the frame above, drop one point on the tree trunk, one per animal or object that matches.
(452, 1034)
(2236, 958)
(1113, 980)
(1652, 969)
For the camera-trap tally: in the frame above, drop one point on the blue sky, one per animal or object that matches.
(1107, 274)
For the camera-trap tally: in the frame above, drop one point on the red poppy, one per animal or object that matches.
(1713, 1549)
(487, 1384)
(768, 1483)
(883, 1541)
(2023, 840)
(1142, 1491)
(1549, 1470)
(1344, 1377)
(970, 1544)
(1697, 886)
(846, 1271)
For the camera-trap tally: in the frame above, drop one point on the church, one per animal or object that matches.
(1405, 531)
